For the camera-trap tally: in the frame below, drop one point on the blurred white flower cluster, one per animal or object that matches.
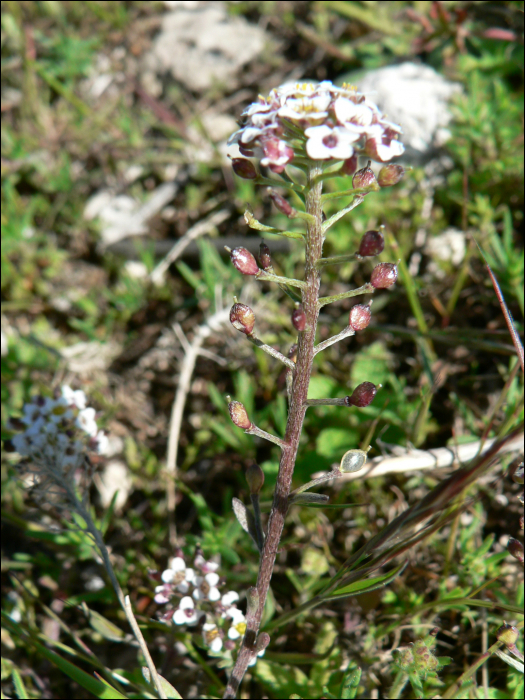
(201, 603)
(317, 120)
(54, 435)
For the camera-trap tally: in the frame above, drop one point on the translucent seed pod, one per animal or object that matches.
(353, 461)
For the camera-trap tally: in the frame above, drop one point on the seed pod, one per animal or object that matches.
(507, 634)
(265, 259)
(360, 316)
(242, 318)
(353, 461)
(365, 178)
(281, 204)
(349, 166)
(362, 396)
(239, 415)
(384, 275)
(390, 175)
(244, 261)
(244, 168)
(255, 478)
(299, 318)
(515, 548)
(372, 243)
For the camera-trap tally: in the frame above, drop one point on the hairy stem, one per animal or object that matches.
(297, 409)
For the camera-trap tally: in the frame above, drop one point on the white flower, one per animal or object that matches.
(206, 587)
(324, 142)
(186, 613)
(238, 624)
(228, 599)
(207, 567)
(356, 114)
(313, 109)
(212, 637)
(86, 421)
(75, 398)
(179, 576)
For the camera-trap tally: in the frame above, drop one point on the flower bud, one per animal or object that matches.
(362, 396)
(365, 178)
(390, 175)
(349, 166)
(507, 634)
(255, 478)
(372, 243)
(384, 275)
(515, 548)
(244, 168)
(265, 259)
(360, 316)
(242, 318)
(299, 318)
(281, 204)
(239, 415)
(244, 261)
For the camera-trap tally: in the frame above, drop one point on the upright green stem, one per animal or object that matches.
(297, 410)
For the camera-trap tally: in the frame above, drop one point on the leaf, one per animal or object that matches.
(369, 584)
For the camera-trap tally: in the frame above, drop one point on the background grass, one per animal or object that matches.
(439, 344)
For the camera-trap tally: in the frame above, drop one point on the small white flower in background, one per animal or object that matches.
(212, 637)
(55, 435)
(206, 588)
(238, 624)
(186, 614)
(318, 120)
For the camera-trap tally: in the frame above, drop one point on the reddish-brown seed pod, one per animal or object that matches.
(384, 275)
(362, 395)
(299, 318)
(365, 178)
(390, 175)
(372, 243)
(508, 634)
(281, 204)
(359, 317)
(255, 478)
(265, 258)
(239, 415)
(244, 261)
(515, 548)
(349, 166)
(242, 318)
(244, 168)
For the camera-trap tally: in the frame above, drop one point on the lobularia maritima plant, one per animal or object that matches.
(306, 134)
(320, 130)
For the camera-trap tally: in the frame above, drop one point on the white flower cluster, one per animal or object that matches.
(56, 433)
(319, 120)
(223, 624)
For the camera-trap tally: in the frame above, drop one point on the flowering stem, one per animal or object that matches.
(346, 333)
(271, 351)
(338, 215)
(365, 289)
(297, 410)
(254, 430)
(268, 277)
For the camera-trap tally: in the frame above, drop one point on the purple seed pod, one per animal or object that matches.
(242, 318)
(390, 175)
(515, 548)
(239, 415)
(349, 166)
(384, 275)
(299, 318)
(362, 396)
(372, 243)
(365, 178)
(255, 478)
(244, 168)
(244, 261)
(360, 316)
(265, 259)
(281, 204)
